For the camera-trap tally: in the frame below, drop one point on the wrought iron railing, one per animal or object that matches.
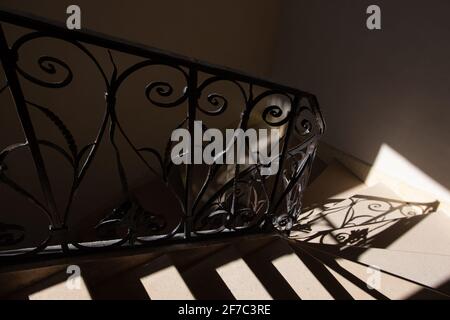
(176, 203)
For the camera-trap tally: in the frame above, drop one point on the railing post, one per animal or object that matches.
(192, 111)
(9, 67)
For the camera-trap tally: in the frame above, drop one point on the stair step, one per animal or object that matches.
(156, 277)
(125, 271)
(287, 274)
(162, 281)
(13, 282)
(353, 290)
(259, 259)
(425, 270)
(365, 278)
(57, 287)
(224, 275)
(306, 277)
(358, 291)
(429, 235)
(104, 269)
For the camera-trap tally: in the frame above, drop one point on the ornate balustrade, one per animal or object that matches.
(43, 210)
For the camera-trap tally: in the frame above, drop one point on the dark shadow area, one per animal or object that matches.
(376, 87)
(124, 286)
(424, 293)
(54, 279)
(14, 285)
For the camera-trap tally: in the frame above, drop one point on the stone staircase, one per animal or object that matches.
(351, 242)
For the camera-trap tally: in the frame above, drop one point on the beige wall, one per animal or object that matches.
(390, 86)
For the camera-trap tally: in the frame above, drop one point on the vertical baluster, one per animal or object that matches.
(243, 124)
(9, 67)
(293, 117)
(192, 113)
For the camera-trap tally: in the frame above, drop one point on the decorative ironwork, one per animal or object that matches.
(244, 202)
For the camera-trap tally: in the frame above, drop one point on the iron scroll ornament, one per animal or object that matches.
(246, 202)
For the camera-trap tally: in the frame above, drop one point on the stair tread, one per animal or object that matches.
(12, 282)
(355, 291)
(224, 275)
(387, 284)
(156, 278)
(162, 280)
(296, 270)
(428, 270)
(430, 235)
(57, 287)
(259, 259)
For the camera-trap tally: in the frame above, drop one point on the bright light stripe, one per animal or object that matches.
(61, 291)
(166, 284)
(301, 278)
(242, 282)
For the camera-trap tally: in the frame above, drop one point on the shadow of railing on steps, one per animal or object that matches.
(360, 221)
